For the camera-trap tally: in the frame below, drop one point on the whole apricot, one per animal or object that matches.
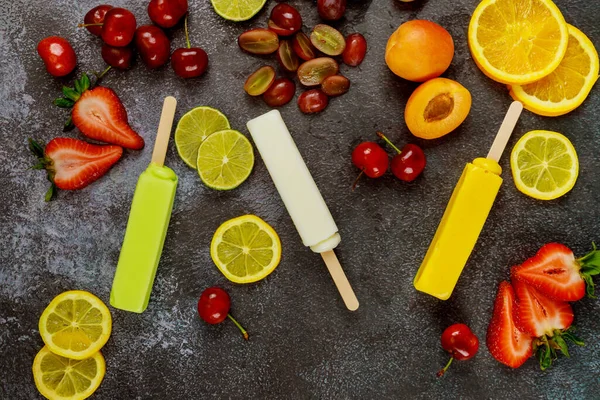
(436, 108)
(419, 50)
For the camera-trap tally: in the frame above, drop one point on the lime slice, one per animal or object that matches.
(193, 128)
(225, 160)
(245, 249)
(238, 10)
(544, 165)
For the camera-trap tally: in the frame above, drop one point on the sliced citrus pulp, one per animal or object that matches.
(61, 378)
(238, 10)
(76, 324)
(245, 249)
(517, 41)
(225, 160)
(544, 165)
(194, 127)
(568, 85)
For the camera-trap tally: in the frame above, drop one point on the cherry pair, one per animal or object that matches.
(373, 160)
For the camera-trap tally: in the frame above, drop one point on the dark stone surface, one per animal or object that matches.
(304, 344)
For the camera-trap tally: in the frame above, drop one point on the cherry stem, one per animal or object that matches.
(381, 135)
(357, 178)
(85, 25)
(443, 371)
(100, 75)
(187, 38)
(240, 327)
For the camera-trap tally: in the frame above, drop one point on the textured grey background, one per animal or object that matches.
(304, 344)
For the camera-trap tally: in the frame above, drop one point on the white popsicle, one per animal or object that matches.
(300, 195)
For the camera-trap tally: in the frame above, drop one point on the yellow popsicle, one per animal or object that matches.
(465, 216)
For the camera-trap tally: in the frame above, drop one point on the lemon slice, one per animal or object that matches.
(76, 324)
(568, 85)
(238, 10)
(245, 249)
(194, 127)
(544, 165)
(517, 41)
(225, 160)
(59, 378)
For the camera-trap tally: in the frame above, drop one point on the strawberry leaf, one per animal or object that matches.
(50, 193)
(85, 82)
(70, 93)
(68, 125)
(570, 336)
(78, 86)
(561, 343)
(590, 263)
(590, 287)
(544, 356)
(63, 102)
(36, 148)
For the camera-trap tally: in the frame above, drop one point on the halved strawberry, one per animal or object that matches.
(505, 341)
(546, 319)
(539, 315)
(555, 272)
(98, 113)
(73, 164)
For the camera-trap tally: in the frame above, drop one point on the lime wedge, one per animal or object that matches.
(225, 160)
(238, 10)
(193, 128)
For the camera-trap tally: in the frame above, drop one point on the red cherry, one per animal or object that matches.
(189, 62)
(167, 13)
(58, 55)
(214, 305)
(285, 20)
(153, 45)
(371, 159)
(118, 57)
(408, 164)
(96, 16)
(118, 28)
(460, 342)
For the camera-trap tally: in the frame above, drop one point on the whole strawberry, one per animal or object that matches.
(99, 114)
(73, 164)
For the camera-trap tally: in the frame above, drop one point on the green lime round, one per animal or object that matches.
(194, 127)
(238, 10)
(225, 160)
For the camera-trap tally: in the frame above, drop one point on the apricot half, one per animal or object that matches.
(436, 108)
(419, 50)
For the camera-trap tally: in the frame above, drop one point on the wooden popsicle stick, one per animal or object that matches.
(340, 280)
(164, 131)
(506, 129)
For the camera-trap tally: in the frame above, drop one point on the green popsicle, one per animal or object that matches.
(147, 225)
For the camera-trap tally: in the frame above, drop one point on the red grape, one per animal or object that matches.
(313, 101)
(280, 93)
